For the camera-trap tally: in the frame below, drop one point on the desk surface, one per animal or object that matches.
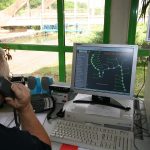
(141, 144)
(6, 118)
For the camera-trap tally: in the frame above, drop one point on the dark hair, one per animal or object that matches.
(4, 68)
(7, 54)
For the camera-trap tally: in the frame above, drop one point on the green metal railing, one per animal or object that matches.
(62, 49)
(107, 17)
(61, 39)
(132, 27)
(133, 21)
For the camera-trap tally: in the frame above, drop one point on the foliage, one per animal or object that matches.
(36, 27)
(99, 11)
(81, 38)
(35, 3)
(145, 5)
(54, 5)
(82, 5)
(69, 5)
(95, 36)
(53, 71)
(141, 33)
(21, 11)
(140, 75)
(5, 3)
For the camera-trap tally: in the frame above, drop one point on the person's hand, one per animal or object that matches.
(22, 100)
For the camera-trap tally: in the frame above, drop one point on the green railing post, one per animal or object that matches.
(61, 39)
(106, 33)
(133, 21)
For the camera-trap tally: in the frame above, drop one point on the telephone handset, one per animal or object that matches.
(42, 102)
(5, 88)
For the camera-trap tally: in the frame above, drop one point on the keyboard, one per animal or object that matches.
(90, 136)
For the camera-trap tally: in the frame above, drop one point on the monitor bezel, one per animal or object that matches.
(100, 92)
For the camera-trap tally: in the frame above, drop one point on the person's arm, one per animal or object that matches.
(27, 116)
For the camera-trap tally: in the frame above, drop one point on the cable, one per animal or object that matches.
(16, 118)
(139, 121)
(52, 109)
(145, 62)
(141, 127)
(10, 122)
(135, 146)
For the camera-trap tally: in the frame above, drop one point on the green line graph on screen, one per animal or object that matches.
(109, 70)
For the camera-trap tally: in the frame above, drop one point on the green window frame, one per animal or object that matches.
(62, 49)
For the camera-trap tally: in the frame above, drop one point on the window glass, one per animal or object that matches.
(68, 58)
(141, 29)
(84, 21)
(140, 40)
(35, 63)
(30, 22)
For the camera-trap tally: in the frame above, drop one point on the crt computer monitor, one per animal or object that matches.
(106, 70)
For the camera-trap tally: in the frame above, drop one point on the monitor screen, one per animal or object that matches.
(104, 69)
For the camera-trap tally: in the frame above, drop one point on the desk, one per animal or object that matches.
(141, 144)
(6, 117)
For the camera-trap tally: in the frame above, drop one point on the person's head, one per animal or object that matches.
(4, 68)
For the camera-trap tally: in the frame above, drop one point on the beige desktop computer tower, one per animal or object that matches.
(147, 95)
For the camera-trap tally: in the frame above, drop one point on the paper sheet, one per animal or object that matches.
(103, 111)
(6, 118)
(41, 117)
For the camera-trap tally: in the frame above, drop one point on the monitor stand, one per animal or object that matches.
(107, 101)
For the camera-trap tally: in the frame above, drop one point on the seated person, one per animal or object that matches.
(32, 136)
